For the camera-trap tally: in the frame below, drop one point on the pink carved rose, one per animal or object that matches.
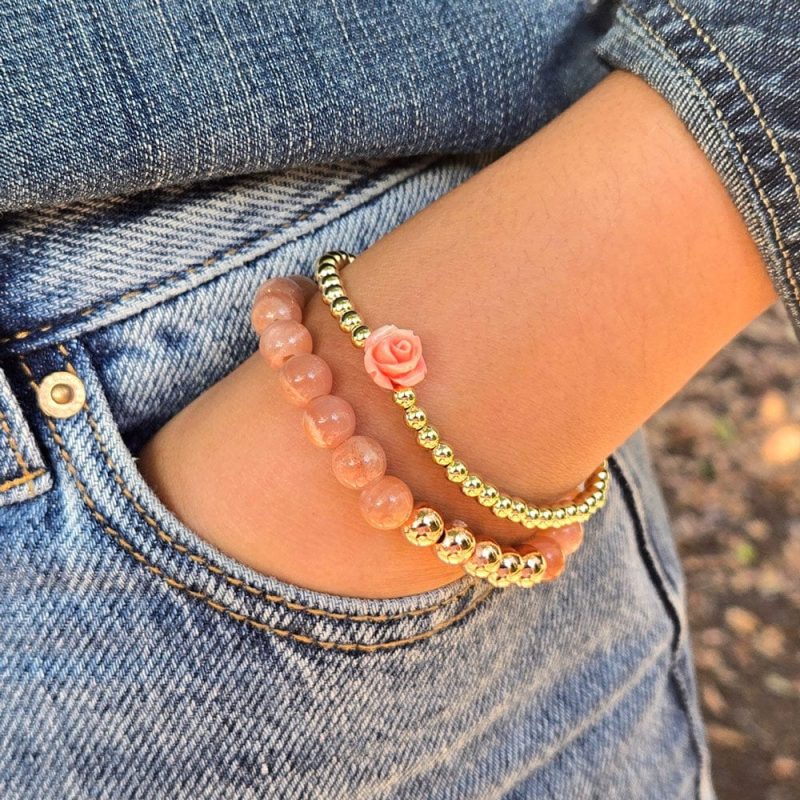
(393, 357)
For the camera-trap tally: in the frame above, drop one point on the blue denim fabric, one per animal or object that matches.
(104, 98)
(136, 661)
(731, 71)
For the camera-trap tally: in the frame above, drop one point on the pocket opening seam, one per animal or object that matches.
(650, 559)
(116, 536)
(276, 599)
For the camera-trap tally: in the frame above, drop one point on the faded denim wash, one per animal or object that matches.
(160, 159)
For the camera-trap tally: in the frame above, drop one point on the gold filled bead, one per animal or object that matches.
(559, 514)
(325, 270)
(425, 527)
(602, 475)
(330, 280)
(590, 501)
(360, 335)
(533, 569)
(502, 508)
(457, 471)
(571, 510)
(519, 508)
(545, 516)
(599, 485)
(456, 546)
(350, 320)
(599, 497)
(416, 418)
(488, 495)
(583, 508)
(341, 305)
(472, 485)
(329, 256)
(428, 437)
(531, 519)
(443, 454)
(405, 398)
(331, 293)
(484, 560)
(507, 570)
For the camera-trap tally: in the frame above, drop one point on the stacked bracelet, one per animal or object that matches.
(393, 358)
(359, 462)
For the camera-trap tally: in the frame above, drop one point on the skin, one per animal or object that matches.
(563, 295)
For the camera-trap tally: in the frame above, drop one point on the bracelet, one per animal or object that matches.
(393, 358)
(359, 462)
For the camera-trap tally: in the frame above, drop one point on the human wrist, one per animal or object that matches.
(378, 416)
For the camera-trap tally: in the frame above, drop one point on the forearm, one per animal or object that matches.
(562, 295)
(567, 291)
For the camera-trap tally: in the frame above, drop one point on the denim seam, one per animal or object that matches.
(236, 582)
(745, 159)
(651, 560)
(28, 477)
(685, 701)
(233, 250)
(12, 442)
(652, 563)
(740, 81)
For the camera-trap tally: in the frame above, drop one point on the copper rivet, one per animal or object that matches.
(61, 394)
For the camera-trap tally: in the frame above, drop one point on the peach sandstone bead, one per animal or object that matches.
(285, 286)
(306, 285)
(358, 462)
(329, 420)
(282, 340)
(304, 377)
(386, 504)
(569, 537)
(270, 307)
(552, 552)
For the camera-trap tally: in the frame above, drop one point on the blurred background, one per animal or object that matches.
(727, 450)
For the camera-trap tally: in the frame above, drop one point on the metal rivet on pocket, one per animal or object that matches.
(61, 394)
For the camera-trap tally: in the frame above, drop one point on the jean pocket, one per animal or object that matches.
(110, 501)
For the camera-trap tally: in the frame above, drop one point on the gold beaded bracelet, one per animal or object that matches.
(579, 508)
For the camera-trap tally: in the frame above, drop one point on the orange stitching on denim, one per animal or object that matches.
(789, 271)
(12, 442)
(28, 477)
(205, 264)
(237, 582)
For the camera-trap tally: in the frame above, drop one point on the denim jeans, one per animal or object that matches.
(138, 661)
(160, 159)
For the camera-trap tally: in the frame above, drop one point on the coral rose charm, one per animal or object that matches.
(393, 357)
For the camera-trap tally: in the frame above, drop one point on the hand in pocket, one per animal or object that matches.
(236, 467)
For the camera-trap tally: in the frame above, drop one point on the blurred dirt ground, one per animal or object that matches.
(727, 449)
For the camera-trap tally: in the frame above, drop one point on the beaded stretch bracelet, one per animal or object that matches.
(359, 462)
(378, 359)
